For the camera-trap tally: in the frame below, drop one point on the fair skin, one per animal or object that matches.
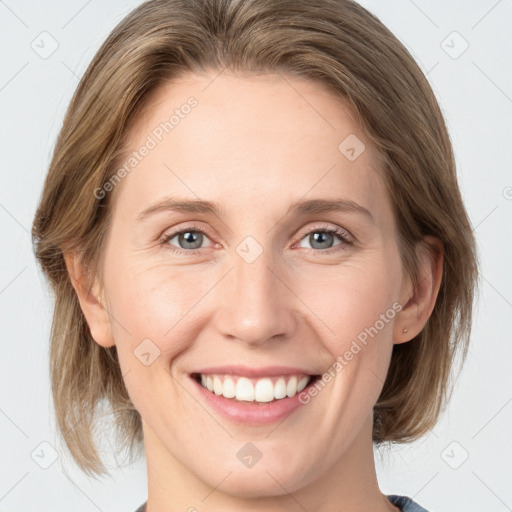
(256, 145)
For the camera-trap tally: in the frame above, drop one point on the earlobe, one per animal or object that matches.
(418, 303)
(91, 301)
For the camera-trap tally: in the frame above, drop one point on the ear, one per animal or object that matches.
(418, 303)
(92, 303)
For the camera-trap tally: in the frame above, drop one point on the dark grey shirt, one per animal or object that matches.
(404, 503)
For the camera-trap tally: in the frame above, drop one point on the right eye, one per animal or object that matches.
(189, 239)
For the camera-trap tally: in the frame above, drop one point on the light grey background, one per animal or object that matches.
(474, 88)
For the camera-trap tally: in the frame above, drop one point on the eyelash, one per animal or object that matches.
(344, 237)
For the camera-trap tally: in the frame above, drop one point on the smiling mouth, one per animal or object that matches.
(257, 390)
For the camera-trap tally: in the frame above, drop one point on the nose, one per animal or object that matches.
(257, 304)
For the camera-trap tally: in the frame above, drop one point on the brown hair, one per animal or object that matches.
(334, 42)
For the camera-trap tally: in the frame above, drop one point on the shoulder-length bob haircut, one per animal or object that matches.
(337, 43)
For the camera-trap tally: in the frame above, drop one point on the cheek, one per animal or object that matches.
(352, 301)
(150, 321)
(148, 302)
(157, 302)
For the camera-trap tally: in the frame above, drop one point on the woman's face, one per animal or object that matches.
(269, 283)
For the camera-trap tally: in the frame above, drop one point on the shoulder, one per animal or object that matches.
(142, 508)
(404, 503)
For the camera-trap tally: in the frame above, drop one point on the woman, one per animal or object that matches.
(260, 255)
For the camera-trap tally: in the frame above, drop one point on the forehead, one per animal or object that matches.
(252, 140)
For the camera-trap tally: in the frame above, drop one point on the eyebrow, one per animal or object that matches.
(302, 207)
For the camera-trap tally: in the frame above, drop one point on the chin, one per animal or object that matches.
(260, 481)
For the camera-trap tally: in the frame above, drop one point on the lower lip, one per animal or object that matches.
(250, 413)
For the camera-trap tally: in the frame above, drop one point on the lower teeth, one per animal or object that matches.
(249, 401)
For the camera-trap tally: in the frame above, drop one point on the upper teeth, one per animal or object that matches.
(259, 390)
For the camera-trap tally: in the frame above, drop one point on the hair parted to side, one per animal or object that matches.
(334, 42)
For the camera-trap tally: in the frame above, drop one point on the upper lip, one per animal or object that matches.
(247, 371)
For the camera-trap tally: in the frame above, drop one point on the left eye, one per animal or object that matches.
(322, 239)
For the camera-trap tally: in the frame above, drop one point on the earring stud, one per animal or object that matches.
(405, 330)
